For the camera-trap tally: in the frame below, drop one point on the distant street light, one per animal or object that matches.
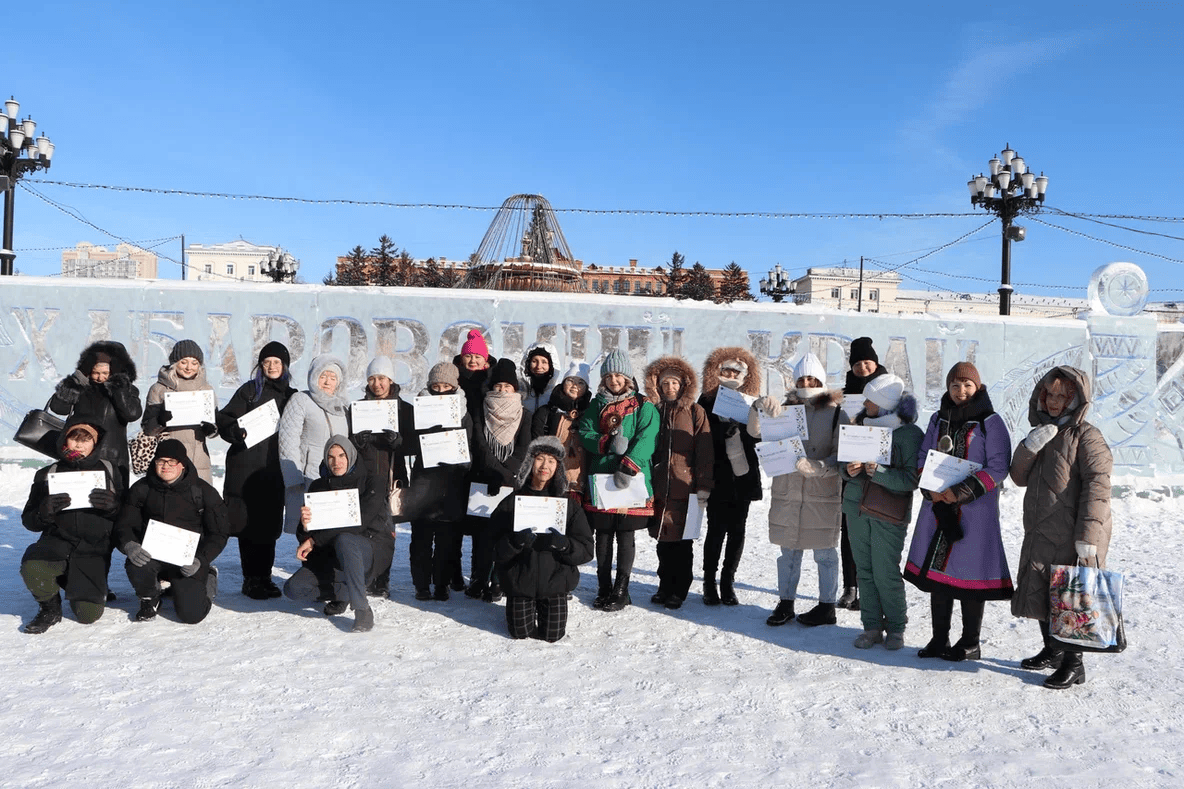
(19, 154)
(1011, 190)
(777, 284)
(279, 266)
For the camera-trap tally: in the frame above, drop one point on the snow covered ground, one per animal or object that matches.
(271, 694)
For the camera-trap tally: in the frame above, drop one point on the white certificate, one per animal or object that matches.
(481, 503)
(853, 404)
(438, 411)
(540, 513)
(449, 446)
(730, 404)
(792, 422)
(780, 457)
(190, 408)
(607, 496)
(78, 485)
(333, 509)
(260, 423)
(170, 544)
(696, 515)
(943, 471)
(374, 415)
(864, 444)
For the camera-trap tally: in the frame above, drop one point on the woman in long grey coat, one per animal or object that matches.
(310, 419)
(1065, 464)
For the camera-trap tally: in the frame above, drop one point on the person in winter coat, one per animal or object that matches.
(254, 485)
(865, 365)
(340, 560)
(385, 453)
(538, 376)
(102, 391)
(309, 420)
(74, 548)
(957, 549)
(805, 511)
(538, 572)
(558, 418)
(877, 543)
(473, 364)
(185, 372)
(683, 466)
(173, 493)
(737, 474)
(1065, 465)
(500, 440)
(619, 432)
(437, 501)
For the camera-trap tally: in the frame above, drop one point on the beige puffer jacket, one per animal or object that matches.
(1068, 496)
(806, 512)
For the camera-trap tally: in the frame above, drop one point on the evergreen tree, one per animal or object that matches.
(432, 276)
(735, 285)
(353, 270)
(405, 273)
(383, 258)
(676, 277)
(698, 285)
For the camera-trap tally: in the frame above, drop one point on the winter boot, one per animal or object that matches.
(727, 595)
(212, 583)
(381, 586)
(148, 608)
(673, 602)
(821, 614)
(335, 607)
(458, 581)
(619, 597)
(1045, 658)
(937, 647)
(270, 589)
(253, 588)
(441, 592)
(423, 593)
(363, 620)
(964, 650)
(603, 593)
(48, 616)
(850, 599)
(1071, 672)
(710, 592)
(475, 590)
(781, 614)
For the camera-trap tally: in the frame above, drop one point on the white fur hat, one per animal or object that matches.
(580, 370)
(809, 365)
(885, 391)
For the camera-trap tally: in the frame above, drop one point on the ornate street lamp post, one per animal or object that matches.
(19, 154)
(1012, 189)
(777, 284)
(279, 266)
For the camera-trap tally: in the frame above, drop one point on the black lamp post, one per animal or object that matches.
(777, 284)
(279, 266)
(19, 154)
(1011, 190)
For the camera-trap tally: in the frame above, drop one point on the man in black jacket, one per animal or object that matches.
(173, 494)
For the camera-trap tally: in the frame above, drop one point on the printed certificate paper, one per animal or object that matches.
(853, 404)
(607, 496)
(438, 411)
(374, 415)
(260, 423)
(170, 544)
(481, 503)
(333, 509)
(540, 513)
(730, 404)
(449, 446)
(189, 408)
(942, 471)
(696, 514)
(780, 457)
(792, 422)
(78, 484)
(863, 444)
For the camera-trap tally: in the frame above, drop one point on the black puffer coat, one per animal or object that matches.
(110, 406)
(385, 458)
(439, 494)
(80, 537)
(254, 485)
(534, 569)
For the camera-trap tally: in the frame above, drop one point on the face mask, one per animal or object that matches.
(809, 393)
(731, 383)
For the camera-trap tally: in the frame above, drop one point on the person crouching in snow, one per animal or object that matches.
(805, 511)
(75, 543)
(877, 541)
(340, 561)
(683, 466)
(173, 493)
(538, 572)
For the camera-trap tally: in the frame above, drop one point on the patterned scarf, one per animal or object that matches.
(503, 414)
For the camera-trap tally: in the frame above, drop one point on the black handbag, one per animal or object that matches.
(41, 430)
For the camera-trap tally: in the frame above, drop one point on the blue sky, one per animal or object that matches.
(690, 106)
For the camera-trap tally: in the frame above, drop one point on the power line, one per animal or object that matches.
(149, 243)
(1089, 218)
(1104, 241)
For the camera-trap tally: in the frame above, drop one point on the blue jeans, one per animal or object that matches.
(789, 570)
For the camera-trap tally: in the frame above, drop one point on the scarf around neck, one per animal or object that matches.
(503, 414)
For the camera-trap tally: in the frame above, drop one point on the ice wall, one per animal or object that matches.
(44, 324)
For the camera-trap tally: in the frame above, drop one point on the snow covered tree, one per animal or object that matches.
(735, 285)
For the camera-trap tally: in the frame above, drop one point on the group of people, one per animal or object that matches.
(531, 429)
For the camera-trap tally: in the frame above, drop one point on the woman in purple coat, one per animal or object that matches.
(957, 551)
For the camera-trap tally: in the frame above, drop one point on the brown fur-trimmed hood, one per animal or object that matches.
(690, 381)
(752, 383)
(828, 398)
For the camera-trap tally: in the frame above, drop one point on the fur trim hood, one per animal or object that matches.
(690, 381)
(121, 360)
(828, 398)
(1038, 413)
(752, 383)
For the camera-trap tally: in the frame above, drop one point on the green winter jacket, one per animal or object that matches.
(902, 476)
(639, 423)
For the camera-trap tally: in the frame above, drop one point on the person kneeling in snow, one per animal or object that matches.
(173, 493)
(538, 571)
(339, 561)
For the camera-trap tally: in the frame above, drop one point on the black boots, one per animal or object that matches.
(849, 599)
(781, 614)
(335, 607)
(619, 597)
(821, 614)
(710, 593)
(258, 588)
(148, 607)
(727, 595)
(1071, 672)
(1045, 658)
(48, 616)
(963, 650)
(603, 593)
(937, 647)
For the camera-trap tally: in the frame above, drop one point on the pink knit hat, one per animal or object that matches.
(475, 344)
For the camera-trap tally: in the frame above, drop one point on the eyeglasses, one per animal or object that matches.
(167, 462)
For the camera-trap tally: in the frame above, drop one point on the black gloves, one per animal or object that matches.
(363, 438)
(54, 504)
(164, 416)
(103, 500)
(119, 381)
(560, 544)
(521, 540)
(70, 389)
(494, 487)
(209, 428)
(949, 521)
(393, 439)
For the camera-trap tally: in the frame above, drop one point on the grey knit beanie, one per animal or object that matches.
(616, 362)
(444, 373)
(186, 348)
